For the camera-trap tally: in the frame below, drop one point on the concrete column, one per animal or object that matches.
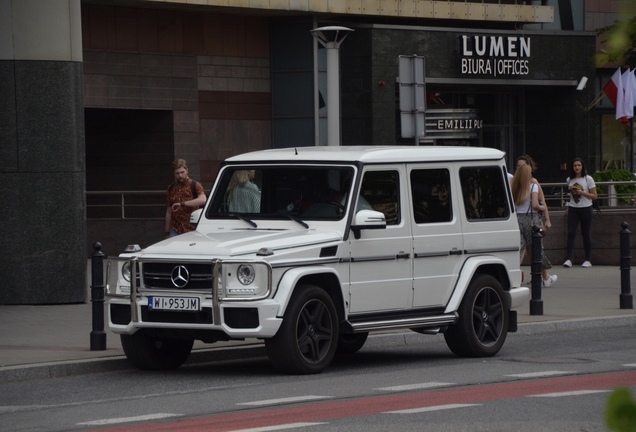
(42, 165)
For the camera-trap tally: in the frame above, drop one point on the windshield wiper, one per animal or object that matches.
(294, 218)
(243, 218)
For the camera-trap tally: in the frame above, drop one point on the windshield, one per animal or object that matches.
(276, 192)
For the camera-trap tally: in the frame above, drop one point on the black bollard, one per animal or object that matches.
(536, 304)
(98, 335)
(626, 300)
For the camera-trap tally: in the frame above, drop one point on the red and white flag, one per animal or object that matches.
(629, 85)
(628, 96)
(615, 92)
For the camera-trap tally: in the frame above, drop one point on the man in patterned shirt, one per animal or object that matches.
(182, 199)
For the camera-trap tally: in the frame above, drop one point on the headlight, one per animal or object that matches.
(246, 274)
(125, 271)
(241, 280)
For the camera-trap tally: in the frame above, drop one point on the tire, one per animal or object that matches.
(351, 343)
(155, 353)
(482, 326)
(307, 339)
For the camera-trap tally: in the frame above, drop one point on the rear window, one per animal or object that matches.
(484, 193)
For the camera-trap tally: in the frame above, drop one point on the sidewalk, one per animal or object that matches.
(40, 341)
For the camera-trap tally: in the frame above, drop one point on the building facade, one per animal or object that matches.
(152, 80)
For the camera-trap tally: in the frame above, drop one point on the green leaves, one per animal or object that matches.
(620, 412)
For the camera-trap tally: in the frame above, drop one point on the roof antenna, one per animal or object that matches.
(295, 151)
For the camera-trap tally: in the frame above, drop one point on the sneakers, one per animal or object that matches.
(550, 281)
(586, 264)
(568, 264)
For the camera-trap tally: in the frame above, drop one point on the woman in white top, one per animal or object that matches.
(526, 195)
(582, 194)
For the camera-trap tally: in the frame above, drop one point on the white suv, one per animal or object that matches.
(339, 242)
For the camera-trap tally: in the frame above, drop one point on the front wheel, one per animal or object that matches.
(155, 353)
(482, 326)
(307, 339)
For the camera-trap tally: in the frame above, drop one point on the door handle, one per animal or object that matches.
(402, 255)
(455, 252)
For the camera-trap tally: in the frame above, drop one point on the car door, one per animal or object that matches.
(437, 233)
(381, 260)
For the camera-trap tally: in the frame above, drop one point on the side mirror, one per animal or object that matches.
(367, 219)
(195, 216)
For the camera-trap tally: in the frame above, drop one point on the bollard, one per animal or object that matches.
(98, 335)
(626, 301)
(536, 304)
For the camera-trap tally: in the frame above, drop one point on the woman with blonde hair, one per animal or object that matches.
(243, 196)
(525, 193)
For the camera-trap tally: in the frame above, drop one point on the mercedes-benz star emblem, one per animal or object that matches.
(180, 276)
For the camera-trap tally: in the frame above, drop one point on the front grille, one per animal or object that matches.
(161, 275)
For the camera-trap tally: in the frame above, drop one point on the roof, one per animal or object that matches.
(371, 154)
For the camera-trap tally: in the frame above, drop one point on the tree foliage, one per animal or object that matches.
(620, 38)
(620, 412)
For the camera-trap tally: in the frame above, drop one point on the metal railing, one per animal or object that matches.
(148, 204)
(557, 195)
(122, 205)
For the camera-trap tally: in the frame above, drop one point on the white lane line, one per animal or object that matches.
(415, 386)
(128, 419)
(570, 393)
(630, 365)
(279, 427)
(431, 408)
(284, 400)
(539, 374)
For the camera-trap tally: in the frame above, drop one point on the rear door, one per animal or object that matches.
(437, 233)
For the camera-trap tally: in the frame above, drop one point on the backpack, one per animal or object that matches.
(193, 188)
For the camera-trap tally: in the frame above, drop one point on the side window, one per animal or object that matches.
(380, 191)
(431, 195)
(484, 193)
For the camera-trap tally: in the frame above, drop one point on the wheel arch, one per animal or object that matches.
(479, 265)
(325, 278)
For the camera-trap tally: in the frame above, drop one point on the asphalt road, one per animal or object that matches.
(539, 382)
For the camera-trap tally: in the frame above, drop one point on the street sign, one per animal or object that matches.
(412, 95)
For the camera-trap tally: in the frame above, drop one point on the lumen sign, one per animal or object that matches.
(495, 56)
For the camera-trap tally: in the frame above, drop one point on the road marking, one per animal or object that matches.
(570, 393)
(280, 427)
(431, 408)
(630, 365)
(539, 374)
(284, 400)
(128, 419)
(415, 386)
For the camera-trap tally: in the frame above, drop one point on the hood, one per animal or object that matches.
(238, 242)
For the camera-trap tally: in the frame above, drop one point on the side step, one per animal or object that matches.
(410, 322)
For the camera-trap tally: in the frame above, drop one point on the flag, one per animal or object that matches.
(615, 92)
(628, 96)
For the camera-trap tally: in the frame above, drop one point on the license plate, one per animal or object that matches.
(174, 303)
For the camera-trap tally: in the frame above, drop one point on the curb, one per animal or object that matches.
(118, 363)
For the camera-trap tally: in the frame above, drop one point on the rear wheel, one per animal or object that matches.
(482, 326)
(307, 339)
(155, 353)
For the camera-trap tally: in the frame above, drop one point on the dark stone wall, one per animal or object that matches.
(43, 176)
(606, 228)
